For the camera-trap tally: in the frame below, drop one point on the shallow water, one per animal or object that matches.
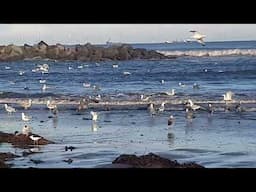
(224, 139)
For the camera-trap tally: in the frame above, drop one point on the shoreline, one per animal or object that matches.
(171, 104)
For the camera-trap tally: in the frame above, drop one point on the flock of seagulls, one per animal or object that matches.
(191, 107)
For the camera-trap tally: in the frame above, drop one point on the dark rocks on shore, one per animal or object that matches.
(21, 140)
(150, 161)
(87, 52)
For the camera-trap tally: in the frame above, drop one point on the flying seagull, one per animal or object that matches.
(198, 36)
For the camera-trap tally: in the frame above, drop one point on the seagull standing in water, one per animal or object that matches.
(50, 105)
(228, 96)
(26, 130)
(239, 108)
(210, 108)
(172, 93)
(26, 104)
(192, 106)
(94, 115)
(171, 120)
(198, 37)
(25, 117)
(161, 108)
(142, 98)
(151, 109)
(9, 109)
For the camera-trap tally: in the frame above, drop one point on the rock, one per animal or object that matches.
(151, 161)
(87, 52)
(21, 140)
(6, 157)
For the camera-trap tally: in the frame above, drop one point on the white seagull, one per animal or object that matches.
(26, 130)
(26, 104)
(161, 108)
(172, 93)
(142, 98)
(199, 37)
(151, 109)
(9, 109)
(94, 116)
(42, 81)
(228, 96)
(25, 117)
(193, 106)
(50, 105)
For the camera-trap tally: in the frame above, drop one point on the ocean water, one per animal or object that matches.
(224, 139)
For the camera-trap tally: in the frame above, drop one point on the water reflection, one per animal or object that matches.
(170, 138)
(55, 121)
(94, 126)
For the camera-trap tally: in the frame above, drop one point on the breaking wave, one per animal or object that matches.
(211, 53)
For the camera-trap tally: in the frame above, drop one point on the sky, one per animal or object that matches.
(126, 33)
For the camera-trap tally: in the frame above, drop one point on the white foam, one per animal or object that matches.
(210, 53)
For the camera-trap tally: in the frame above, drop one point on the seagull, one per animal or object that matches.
(142, 98)
(25, 117)
(21, 72)
(126, 73)
(69, 68)
(210, 108)
(161, 108)
(7, 67)
(82, 105)
(9, 109)
(181, 84)
(192, 106)
(115, 66)
(26, 104)
(26, 130)
(151, 109)
(87, 85)
(35, 139)
(199, 37)
(228, 96)
(172, 93)
(239, 108)
(42, 81)
(50, 105)
(80, 67)
(195, 86)
(162, 81)
(94, 116)
(171, 120)
(44, 87)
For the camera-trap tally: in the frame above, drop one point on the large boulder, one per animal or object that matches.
(151, 161)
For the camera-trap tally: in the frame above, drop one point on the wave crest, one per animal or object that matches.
(210, 53)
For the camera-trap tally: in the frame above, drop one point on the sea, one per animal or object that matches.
(222, 139)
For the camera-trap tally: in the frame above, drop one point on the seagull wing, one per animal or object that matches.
(201, 41)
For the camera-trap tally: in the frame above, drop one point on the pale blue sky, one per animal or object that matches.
(127, 33)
